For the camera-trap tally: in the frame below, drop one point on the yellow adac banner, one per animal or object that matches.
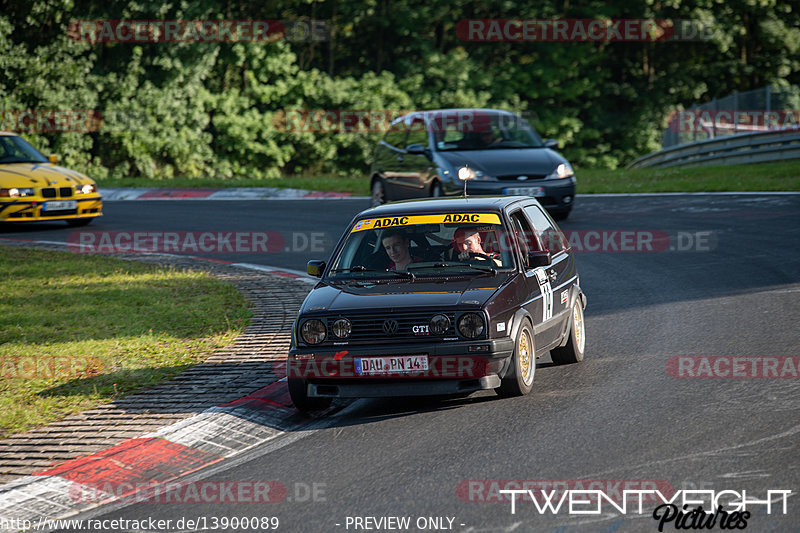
(439, 218)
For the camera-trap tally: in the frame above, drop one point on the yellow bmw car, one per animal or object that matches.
(33, 188)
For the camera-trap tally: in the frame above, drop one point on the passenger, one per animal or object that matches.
(396, 243)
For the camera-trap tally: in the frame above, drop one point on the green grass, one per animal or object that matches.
(77, 331)
(783, 176)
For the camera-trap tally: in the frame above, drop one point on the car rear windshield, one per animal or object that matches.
(424, 245)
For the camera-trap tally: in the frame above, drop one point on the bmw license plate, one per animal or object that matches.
(391, 365)
(525, 191)
(60, 205)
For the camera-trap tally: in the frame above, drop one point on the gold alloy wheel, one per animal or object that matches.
(577, 318)
(525, 355)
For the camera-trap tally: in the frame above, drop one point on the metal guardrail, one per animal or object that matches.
(742, 148)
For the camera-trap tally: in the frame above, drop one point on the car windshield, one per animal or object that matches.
(479, 130)
(407, 247)
(15, 149)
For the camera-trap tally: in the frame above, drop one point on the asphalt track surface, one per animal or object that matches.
(619, 415)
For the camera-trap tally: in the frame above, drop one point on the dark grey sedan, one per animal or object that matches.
(423, 153)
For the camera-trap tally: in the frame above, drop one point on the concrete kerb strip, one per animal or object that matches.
(234, 193)
(167, 454)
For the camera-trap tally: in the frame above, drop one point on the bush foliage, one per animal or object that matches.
(214, 109)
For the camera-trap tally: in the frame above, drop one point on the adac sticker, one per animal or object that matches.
(446, 218)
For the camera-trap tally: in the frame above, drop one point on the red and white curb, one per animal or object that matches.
(153, 459)
(236, 193)
(143, 463)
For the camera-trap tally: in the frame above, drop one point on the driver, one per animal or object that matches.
(467, 240)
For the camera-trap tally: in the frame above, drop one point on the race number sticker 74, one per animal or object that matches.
(547, 294)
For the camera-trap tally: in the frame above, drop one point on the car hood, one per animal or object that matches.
(39, 175)
(394, 295)
(498, 162)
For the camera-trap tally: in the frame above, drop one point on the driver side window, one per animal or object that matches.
(524, 235)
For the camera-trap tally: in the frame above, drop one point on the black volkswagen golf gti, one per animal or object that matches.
(438, 297)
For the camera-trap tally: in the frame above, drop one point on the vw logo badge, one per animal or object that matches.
(390, 326)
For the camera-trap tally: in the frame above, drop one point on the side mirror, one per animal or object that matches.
(551, 143)
(415, 149)
(539, 258)
(53, 158)
(315, 268)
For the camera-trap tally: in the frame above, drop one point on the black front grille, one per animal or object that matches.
(49, 192)
(369, 328)
(513, 177)
(65, 192)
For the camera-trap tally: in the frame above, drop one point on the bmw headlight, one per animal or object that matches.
(439, 324)
(16, 192)
(313, 331)
(564, 170)
(470, 325)
(86, 189)
(341, 328)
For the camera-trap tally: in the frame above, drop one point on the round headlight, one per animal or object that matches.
(313, 331)
(470, 325)
(341, 328)
(439, 324)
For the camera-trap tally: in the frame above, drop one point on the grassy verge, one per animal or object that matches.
(762, 177)
(783, 176)
(77, 331)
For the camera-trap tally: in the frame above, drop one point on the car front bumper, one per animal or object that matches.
(35, 210)
(553, 194)
(453, 368)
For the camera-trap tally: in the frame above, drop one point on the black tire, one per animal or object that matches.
(378, 193)
(573, 351)
(518, 381)
(561, 215)
(77, 222)
(298, 391)
(436, 190)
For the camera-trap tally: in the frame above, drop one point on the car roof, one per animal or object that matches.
(443, 205)
(431, 114)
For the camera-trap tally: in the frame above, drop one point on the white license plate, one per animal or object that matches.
(525, 191)
(391, 365)
(60, 206)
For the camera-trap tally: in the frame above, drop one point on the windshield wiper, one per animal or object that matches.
(487, 270)
(362, 268)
